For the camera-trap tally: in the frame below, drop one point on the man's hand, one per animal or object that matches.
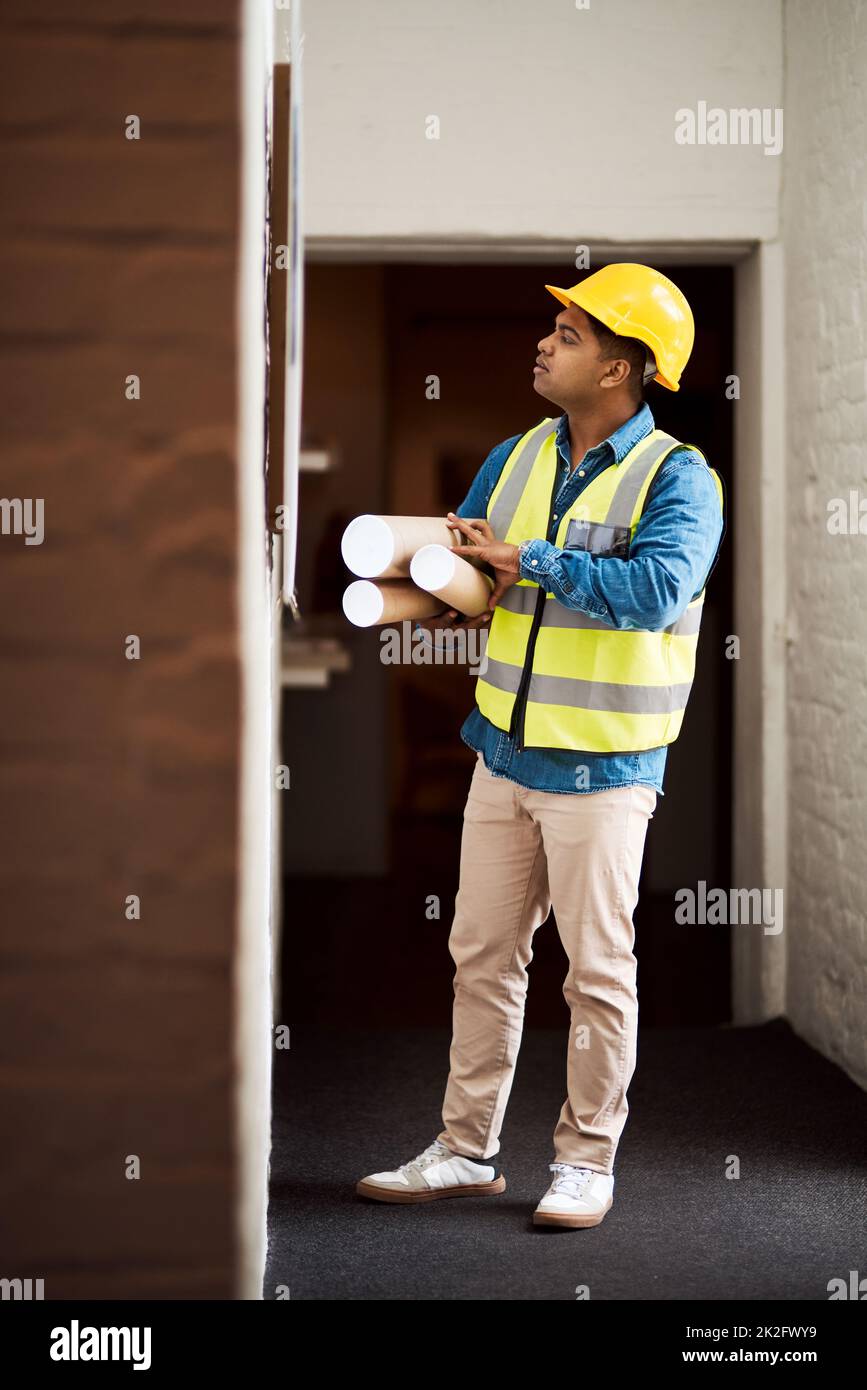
(447, 621)
(502, 557)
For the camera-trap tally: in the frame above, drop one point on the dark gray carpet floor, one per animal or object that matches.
(347, 1104)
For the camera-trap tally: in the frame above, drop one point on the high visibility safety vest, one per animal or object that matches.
(555, 677)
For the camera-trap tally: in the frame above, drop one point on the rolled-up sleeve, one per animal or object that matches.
(670, 557)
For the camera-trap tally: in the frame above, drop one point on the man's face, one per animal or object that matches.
(571, 369)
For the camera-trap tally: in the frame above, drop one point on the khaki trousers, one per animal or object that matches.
(523, 852)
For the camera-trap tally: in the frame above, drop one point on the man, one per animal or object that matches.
(600, 532)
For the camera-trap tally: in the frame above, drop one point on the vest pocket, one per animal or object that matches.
(598, 538)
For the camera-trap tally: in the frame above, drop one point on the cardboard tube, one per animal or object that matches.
(366, 603)
(453, 579)
(381, 547)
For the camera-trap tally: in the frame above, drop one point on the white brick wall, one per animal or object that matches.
(825, 219)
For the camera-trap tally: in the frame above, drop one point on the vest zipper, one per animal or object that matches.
(516, 729)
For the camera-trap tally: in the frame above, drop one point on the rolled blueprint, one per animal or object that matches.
(381, 547)
(452, 579)
(366, 603)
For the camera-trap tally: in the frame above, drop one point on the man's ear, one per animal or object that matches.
(617, 371)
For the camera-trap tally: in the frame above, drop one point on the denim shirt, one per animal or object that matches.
(670, 558)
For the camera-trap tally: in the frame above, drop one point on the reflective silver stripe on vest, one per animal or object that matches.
(521, 598)
(503, 510)
(599, 695)
(626, 494)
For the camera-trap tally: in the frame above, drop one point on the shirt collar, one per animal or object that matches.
(624, 438)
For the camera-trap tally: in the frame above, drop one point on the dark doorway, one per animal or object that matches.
(379, 774)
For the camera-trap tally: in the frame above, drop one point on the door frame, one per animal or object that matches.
(757, 531)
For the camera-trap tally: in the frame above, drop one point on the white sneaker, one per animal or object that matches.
(576, 1197)
(437, 1172)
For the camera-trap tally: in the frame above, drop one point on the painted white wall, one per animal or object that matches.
(555, 121)
(825, 219)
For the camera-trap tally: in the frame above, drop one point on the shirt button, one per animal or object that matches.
(534, 562)
(555, 516)
(580, 472)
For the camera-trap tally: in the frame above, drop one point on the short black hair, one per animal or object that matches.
(613, 345)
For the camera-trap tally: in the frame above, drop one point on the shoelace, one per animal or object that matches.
(429, 1155)
(570, 1179)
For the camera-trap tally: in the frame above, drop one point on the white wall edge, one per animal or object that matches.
(759, 821)
(252, 954)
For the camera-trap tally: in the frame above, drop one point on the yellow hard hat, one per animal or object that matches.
(639, 302)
